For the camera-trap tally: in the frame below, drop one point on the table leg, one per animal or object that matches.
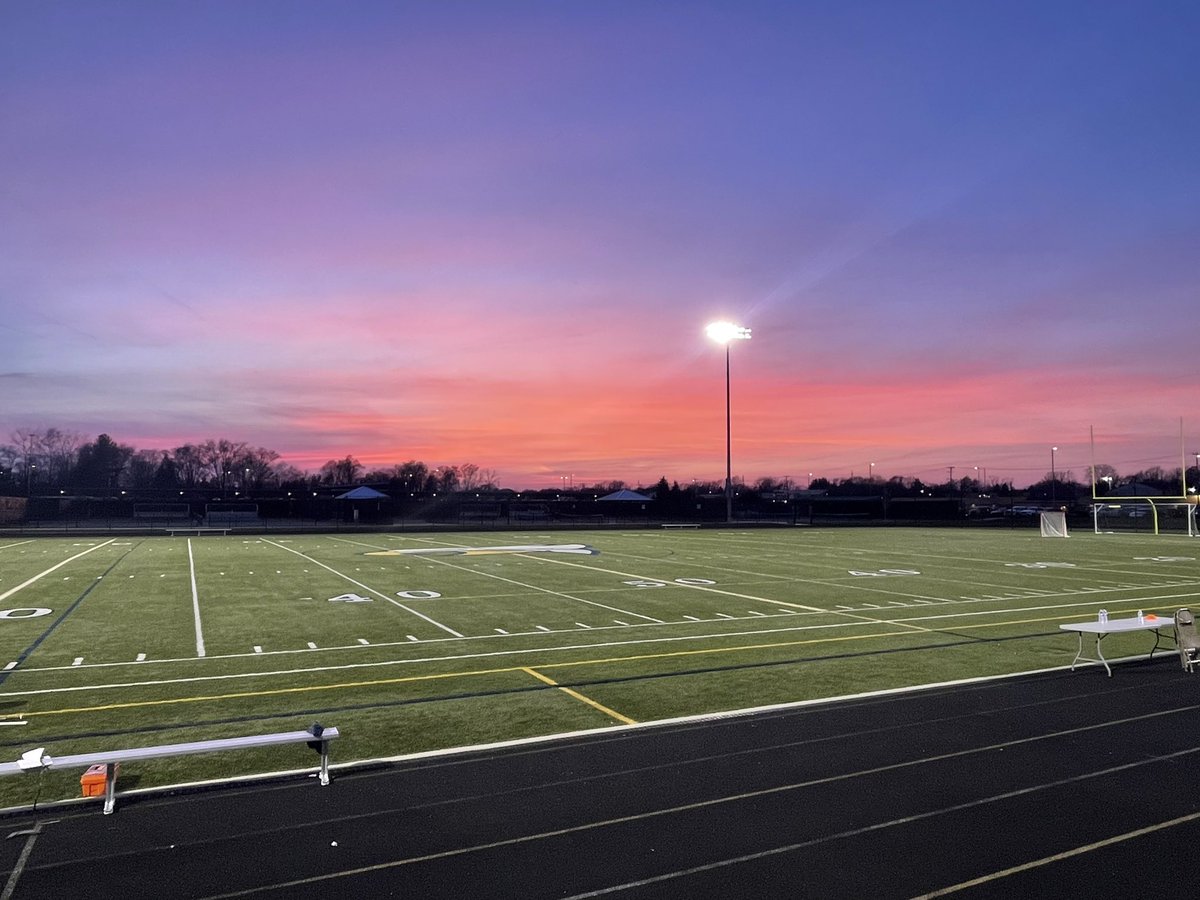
(1079, 657)
(1100, 653)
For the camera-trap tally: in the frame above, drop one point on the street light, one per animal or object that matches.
(871, 472)
(724, 333)
(1053, 477)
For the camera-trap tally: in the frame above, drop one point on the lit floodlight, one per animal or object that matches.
(724, 332)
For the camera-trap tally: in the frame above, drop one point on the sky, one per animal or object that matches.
(493, 233)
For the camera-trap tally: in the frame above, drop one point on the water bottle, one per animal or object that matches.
(1104, 615)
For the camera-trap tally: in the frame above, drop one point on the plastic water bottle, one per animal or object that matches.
(1141, 618)
(1104, 615)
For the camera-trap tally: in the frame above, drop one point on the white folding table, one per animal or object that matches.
(1102, 630)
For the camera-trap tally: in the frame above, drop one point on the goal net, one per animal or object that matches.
(1145, 517)
(1054, 524)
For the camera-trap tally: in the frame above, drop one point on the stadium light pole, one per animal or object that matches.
(1053, 477)
(724, 333)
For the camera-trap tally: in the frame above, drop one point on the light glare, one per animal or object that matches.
(724, 332)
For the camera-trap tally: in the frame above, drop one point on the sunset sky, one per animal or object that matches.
(493, 232)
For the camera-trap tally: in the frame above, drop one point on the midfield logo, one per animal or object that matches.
(580, 549)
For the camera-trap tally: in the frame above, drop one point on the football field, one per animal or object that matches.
(417, 642)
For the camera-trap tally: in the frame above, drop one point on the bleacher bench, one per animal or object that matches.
(33, 760)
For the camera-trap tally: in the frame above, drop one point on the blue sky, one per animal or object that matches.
(493, 233)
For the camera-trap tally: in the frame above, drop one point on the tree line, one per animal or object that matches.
(52, 460)
(57, 460)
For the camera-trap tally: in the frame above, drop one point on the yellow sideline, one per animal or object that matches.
(238, 695)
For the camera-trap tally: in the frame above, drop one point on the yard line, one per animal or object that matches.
(534, 587)
(787, 605)
(40, 575)
(588, 647)
(407, 609)
(580, 697)
(195, 601)
(17, 544)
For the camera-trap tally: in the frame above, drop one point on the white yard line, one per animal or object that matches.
(195, 601)
(720, 591)
(407, 609)
(553, 593)
(17, 544)
(41, 575)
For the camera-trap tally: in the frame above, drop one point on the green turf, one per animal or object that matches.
(407, 653)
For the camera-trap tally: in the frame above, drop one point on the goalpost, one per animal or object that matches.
(1147, 515)
(1122, 511)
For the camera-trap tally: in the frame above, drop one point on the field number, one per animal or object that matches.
(29, 612)
(883, 573)
(647, 583)
(1043, 565)
(418, 595)
(349, 598)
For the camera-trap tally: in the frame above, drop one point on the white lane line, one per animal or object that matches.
(407, 609)
(41, 575)
(195, 601)
(667, 813)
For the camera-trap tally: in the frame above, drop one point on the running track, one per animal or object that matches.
(1052, 785)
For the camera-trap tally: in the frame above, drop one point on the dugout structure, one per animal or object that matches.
(230, 514)
(162, 513)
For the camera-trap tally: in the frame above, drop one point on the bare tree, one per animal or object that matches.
(189, 465)
(341, 471)
(468, 477)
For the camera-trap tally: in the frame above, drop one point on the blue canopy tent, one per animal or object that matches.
(362, 494)
(625, 495)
